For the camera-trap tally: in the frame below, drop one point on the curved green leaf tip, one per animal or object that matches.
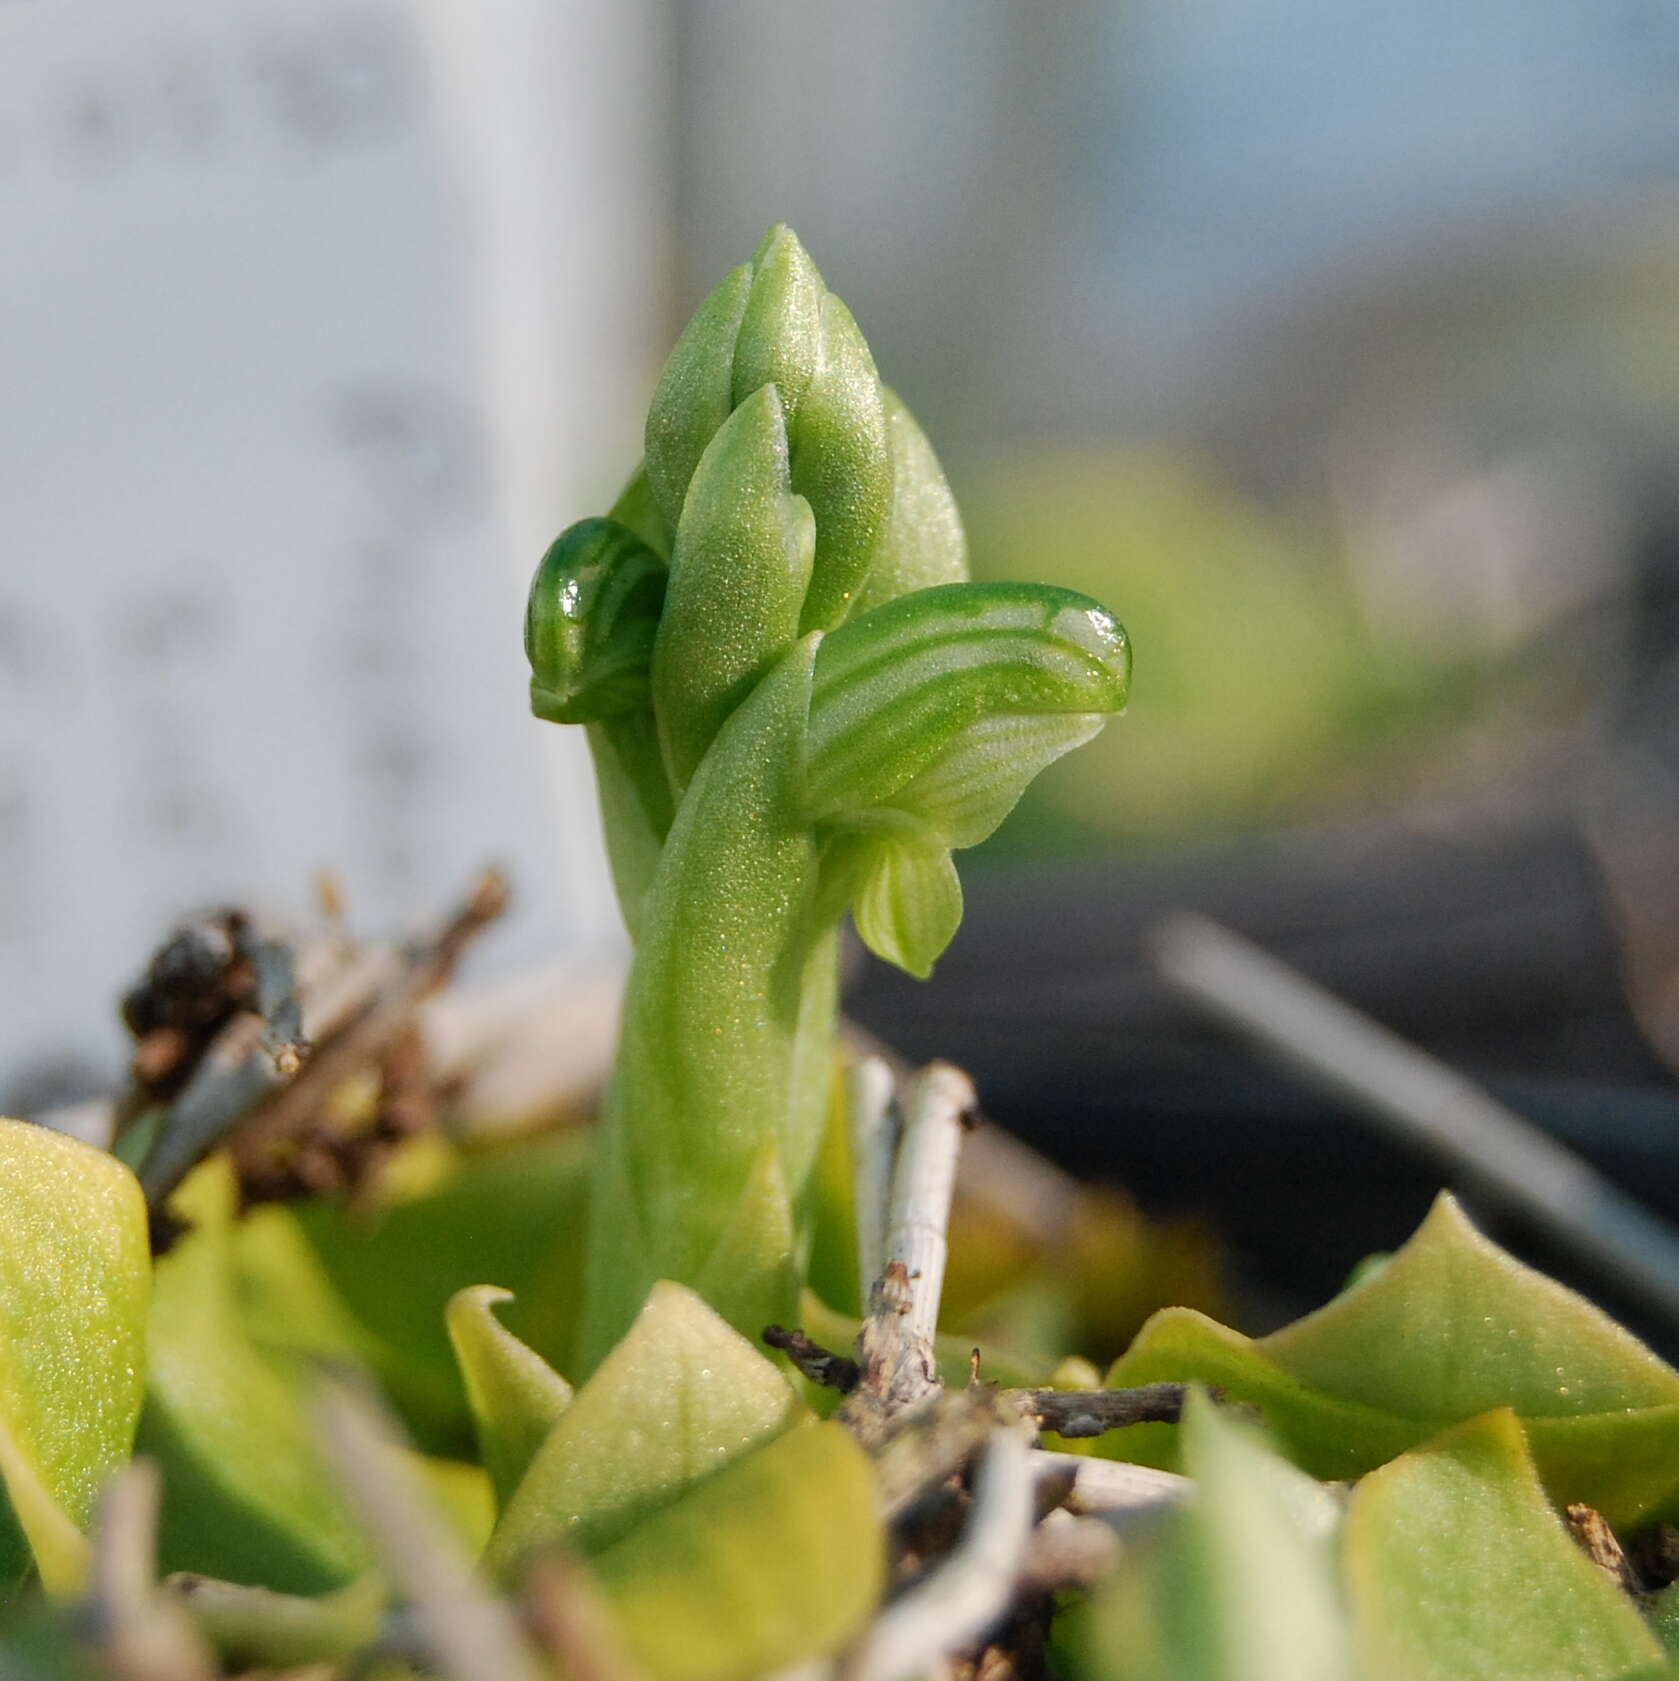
(515, 1395)
(75, 1276)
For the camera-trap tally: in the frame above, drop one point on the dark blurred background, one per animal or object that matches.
(1337, 350)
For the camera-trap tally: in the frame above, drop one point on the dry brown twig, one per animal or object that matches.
(253, 1086)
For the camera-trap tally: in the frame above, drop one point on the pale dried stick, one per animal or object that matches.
(966, 1596)
(140, 1634)
(471, 1634)
(895, 1346)
(938, 1105)
(1124, 1496)
(874, 1145)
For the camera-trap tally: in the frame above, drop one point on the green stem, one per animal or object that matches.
(729, 1008)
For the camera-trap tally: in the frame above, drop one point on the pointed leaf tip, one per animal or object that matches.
(678, 1398)
(515, 1395)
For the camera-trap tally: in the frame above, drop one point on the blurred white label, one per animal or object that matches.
(259, 614)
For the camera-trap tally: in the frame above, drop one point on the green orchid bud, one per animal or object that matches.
(590, 628)
(773, 322)
(590, 623)
(804, 713)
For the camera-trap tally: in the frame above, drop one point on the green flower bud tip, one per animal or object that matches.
(590, 622)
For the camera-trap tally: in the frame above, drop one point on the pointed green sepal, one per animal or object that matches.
(922, 542)
(737, 580)
(695, 393)
(780, 339)
(842, 467)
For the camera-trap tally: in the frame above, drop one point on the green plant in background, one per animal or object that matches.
(796, 708)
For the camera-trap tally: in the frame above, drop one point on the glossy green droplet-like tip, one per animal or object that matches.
(590, 620)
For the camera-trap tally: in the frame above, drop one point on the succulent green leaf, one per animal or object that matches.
(1457, 1567)
(842, 467)
(922, 542)
(1240, 1587)
(776, 1560)
(695, 394)
(247, 1494)
(1449, 1322)
(75, 1274)
(679, 1398)
(1326, 1437)
(737, 579)
(909, 900)
(1453, 1326)
(1664, 1620)
(516, 1396)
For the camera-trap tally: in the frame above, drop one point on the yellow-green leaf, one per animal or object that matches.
(680, 1397)
(1449, 1328)
(75, 1272)
(774, 1561)
(1327, 1437)
(247, 1494)
(516, 1396)
(1458, 1570)
(1452, 1326)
